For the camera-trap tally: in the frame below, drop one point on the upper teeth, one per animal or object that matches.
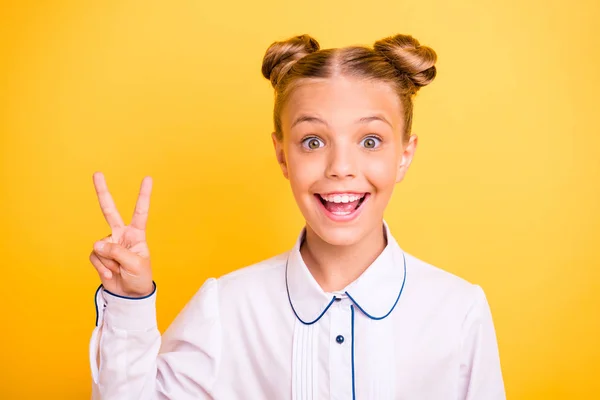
(342, 198)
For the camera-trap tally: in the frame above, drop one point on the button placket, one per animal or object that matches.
(340, 350)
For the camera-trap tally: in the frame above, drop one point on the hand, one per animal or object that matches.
(122, 259)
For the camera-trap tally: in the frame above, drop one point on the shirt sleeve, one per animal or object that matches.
(130, 360)
(480, 369)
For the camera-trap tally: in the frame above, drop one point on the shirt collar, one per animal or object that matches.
(376, 292)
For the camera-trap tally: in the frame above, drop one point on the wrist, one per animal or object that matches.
(134, 295)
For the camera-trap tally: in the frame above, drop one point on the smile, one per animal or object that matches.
(341, 206)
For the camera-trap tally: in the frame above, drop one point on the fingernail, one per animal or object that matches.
(107, 274)
(99, 246)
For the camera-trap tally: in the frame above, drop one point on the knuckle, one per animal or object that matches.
(95, 260)
(95, 263)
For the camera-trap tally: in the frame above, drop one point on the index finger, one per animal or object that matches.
(140, 215)
(107, 205)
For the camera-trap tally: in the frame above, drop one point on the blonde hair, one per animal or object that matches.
(398, 60)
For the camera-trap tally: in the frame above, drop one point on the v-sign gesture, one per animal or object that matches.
(122, 259)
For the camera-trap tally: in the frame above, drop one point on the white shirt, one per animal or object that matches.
(403, 330)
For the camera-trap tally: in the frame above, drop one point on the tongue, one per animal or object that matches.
(341, 207)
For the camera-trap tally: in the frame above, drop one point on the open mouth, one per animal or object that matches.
(342, 205)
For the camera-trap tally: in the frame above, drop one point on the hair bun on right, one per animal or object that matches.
(408, 56)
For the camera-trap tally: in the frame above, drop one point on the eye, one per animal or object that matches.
(312, 143)
(371, 142)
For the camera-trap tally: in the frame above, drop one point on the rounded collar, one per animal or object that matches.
(375, 293)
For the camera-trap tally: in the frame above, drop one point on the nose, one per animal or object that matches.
(341, 163)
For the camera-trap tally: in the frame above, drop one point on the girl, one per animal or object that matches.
(346, 313)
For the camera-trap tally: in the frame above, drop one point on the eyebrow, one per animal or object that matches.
(363, 120)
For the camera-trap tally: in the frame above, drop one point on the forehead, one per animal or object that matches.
(341, 100)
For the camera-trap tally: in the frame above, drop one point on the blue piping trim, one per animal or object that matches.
(396, 302)
(353, 380)
(133, 298)
(294, 310)
(96, 303)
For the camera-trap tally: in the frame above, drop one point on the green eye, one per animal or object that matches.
(371, 142)
(312, 143)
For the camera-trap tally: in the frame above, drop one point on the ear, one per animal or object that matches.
(280, 154)
(408, 152)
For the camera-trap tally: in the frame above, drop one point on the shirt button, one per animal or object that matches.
(339, 339)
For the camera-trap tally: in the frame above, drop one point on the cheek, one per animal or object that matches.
(381, 172)
(303, 172)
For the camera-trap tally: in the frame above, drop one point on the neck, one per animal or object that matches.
(335, 267)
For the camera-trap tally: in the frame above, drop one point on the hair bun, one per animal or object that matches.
(281, 56)
(408, 56)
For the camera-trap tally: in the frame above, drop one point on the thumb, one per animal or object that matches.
(118, 253)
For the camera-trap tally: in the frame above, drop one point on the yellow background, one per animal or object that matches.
(504, 190)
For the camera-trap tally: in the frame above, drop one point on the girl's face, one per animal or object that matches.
(343, 153)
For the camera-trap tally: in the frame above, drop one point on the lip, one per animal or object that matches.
(343, 218)
(341, 193)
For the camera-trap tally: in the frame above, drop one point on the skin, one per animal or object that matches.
(122, 259)
(353, 153)
(335, 252)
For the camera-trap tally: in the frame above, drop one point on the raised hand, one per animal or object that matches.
(122, 259)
